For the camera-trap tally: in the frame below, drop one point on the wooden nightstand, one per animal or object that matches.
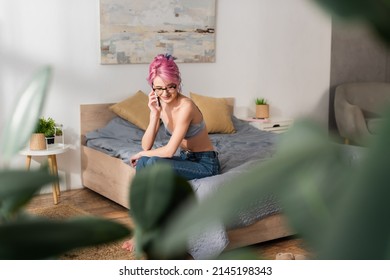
(277, 125)
(51, 153)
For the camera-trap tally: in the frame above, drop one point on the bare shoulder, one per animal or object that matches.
(189, 110)
(186, 103)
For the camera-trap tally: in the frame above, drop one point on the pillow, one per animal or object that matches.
(134, 109)
(215, 112)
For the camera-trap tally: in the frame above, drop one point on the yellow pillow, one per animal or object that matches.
(215, 112)
(134, 109)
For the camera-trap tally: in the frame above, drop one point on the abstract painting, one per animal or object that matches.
(135, 31)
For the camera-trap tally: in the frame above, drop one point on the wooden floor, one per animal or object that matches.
(96, 204)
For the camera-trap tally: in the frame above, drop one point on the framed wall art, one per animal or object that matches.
(135, 31)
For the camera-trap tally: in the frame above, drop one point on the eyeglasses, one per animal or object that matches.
(170, 88)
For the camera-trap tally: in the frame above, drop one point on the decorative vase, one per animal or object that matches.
(262, 111)
(37, 141)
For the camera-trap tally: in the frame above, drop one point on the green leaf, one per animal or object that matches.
(239, 254)
(339, 207)
(261, 101)
(269, 178)
(22, 123)
(361, 229)
(347, 8)
(14, 182)
(375, 13)
(155, 193)
(42, 239)
(18, 187)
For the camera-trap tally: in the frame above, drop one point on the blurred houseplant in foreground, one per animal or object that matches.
(23, 236)
(339, 208)
(157, 194)
(374, 13)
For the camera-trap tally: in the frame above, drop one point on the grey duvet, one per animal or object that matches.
(237, 153)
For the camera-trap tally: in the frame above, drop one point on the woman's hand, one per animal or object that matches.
(153, 103)
(134, 159)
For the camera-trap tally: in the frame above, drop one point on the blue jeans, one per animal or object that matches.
(189, 165)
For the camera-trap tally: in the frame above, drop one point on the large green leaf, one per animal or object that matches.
(18, 187)
(272, 177)
(339, 207)
(23, 121)
(376, 13)
(42, 239)
(156, 195)
(155, 192)
(15, 182)
(361, 229)
(239, 254)
(347, 8)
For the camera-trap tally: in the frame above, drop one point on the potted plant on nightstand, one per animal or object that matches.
(44, 134)
(262, 108)
(59, 134)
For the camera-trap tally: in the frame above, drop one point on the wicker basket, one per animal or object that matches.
(37, 141)
(262, 111)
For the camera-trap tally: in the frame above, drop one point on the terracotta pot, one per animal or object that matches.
(262, 111)
(38, 141)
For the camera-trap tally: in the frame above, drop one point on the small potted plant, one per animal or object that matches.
(262, 108)
(44, 133)
(59, 135)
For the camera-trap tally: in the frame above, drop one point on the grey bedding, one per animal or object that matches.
(237, 153)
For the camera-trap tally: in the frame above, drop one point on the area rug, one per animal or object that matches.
(108, 251)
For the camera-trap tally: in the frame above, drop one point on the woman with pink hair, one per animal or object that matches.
(183, 122)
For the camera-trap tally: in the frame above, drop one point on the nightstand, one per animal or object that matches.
(51, 153)
(277, 125)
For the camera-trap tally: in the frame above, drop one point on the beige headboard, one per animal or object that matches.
(94, 116)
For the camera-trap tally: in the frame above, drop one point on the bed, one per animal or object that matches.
(105, 171)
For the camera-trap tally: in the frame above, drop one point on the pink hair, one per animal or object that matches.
(164, 66)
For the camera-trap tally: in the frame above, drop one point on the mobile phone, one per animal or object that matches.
(158, 100)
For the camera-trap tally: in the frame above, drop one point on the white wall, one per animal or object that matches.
(278, 49)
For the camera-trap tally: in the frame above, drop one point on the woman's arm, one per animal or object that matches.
(183, 120)
(150, 132)
(154, 122)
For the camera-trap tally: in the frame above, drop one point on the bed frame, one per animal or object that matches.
(111, 177)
